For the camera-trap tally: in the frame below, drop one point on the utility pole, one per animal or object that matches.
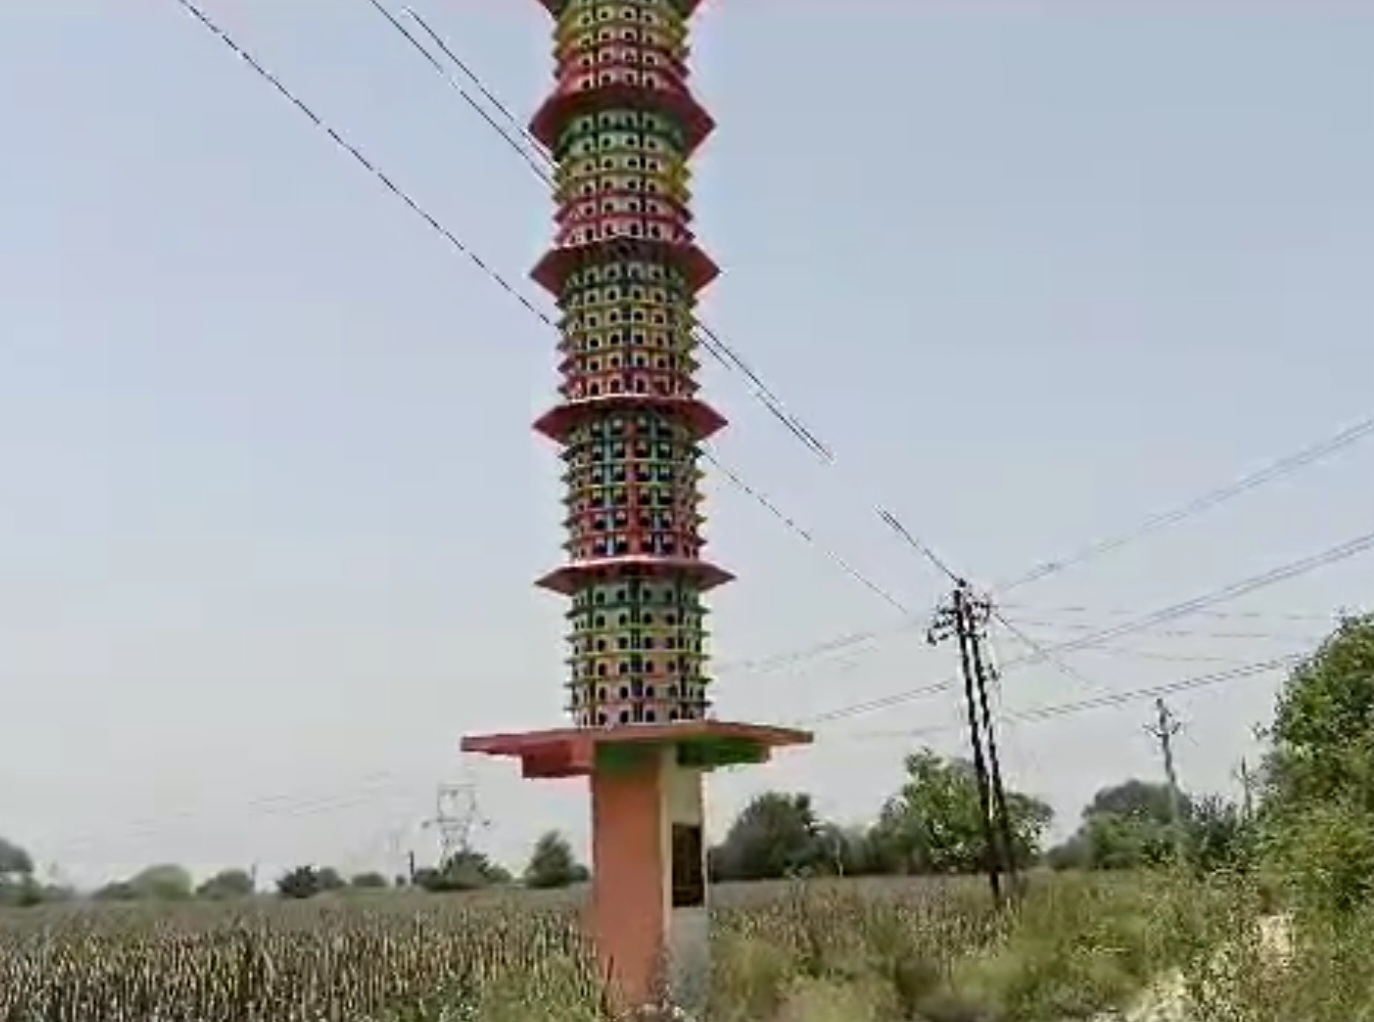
(977, 612)
(958, 618)
(1163, 730)
(1247, 787)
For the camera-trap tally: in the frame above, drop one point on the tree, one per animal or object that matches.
(1218, 838)
(552, 863)
(775, 835)
(369, 881)
(300, 883)
(934, 824)
(225, 885)
(330, 879)
(1071, 854)
(466, 870)
(1128, 826)
(15, 862)
(164, 882)
(118, 890)
(1317, 809)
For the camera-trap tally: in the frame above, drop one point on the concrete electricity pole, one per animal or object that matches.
(1163, 730)
(964, 618)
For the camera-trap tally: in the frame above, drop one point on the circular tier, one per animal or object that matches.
(637, 653)
(622, 53)
(632, 335)
(621, 175)
(622, 502)
(640, 42)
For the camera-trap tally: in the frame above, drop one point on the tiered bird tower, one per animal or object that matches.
(625, 269)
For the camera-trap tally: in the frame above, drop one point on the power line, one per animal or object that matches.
(433, 222)
(1054, 711)
(1182, 633)
(1276, 469)
(538, 159)
(806, 534)
(526, 146)
(1221, 615)
(1274, 576)
(362, 160)
(1281, 467)
(851, 642)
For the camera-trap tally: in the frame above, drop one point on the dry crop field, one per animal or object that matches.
(862, 951)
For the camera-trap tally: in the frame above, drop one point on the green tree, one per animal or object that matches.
(775, 835)
(1126, 826)
(934, 824)
(225, 885)
(117, 890)
(369, 881)
(552, 863)
(1317, 810)
(330, 879)
(164, 882)
(299, 883)
(15, 862)
(466, 870)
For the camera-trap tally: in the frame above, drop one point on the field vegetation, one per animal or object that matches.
(1267, 915)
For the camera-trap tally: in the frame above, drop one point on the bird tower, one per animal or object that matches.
(624, 268)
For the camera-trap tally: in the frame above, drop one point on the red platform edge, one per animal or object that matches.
(561, 420)
(561, 106)
(570, 577)
(551, 272)
(571, 752)
(554, 6)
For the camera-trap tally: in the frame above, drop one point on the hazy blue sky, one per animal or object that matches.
(271, 506)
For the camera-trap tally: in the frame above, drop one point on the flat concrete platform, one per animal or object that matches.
(579, 751)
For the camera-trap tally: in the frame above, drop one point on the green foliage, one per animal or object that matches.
(369, 881)
(1318, 808)
(1219, 838)
(15, 862)
(552, 863)
(116, 890)
(774, 836)
(468, 870)
(226, 884)
(165, 882)
(934, 824)
(1125, 826)
(299, 883)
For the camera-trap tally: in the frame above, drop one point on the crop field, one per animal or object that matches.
(839, 951)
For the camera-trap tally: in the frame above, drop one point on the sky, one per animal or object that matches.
(271, 508)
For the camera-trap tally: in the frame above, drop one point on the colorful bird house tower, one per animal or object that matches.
(624, 269)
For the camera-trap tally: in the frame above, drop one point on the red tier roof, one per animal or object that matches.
(559, 421)
(559, 108)
(571, 752)
(571, 577)
(552, 271)
(688, 7)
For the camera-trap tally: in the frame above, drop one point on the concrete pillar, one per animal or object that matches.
(648, 910)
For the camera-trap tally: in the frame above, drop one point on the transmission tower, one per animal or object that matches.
(457, 818)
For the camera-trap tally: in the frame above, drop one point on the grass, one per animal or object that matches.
(846, 951)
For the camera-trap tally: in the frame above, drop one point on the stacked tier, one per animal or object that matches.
(625, 270)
